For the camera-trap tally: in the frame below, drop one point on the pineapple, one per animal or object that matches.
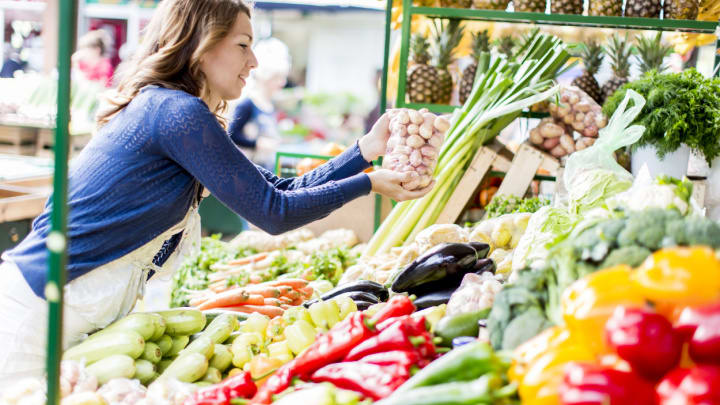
(481, 44)
(506, 45)
(652, 52)
(456, 3)
(447, 38)
(592, 56)
(566, 6)
(643, 8)
(530, 6)
(422, 78)
(606, 7)
(619, 51)
(681, 9)
(490, 4)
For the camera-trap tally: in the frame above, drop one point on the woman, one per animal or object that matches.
(134, 189)
(90, 58)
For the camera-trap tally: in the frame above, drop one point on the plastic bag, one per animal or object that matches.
(592, 175)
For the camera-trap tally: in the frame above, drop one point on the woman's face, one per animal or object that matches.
(227, 65)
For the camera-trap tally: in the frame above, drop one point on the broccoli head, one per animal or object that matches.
(630, 255)
(702, 231)
(646, 228)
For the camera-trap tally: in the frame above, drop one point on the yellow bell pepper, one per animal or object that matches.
(680, 276)
(526, 354)
(540, 384)
(589, 302)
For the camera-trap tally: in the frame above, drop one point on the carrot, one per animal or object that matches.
(306, 292)
(285, 300)
(236, 296)
(197, 300)
(273, 301)
(285, 306)
(265, 291)
(269, 310)
(290, 282)
(255, 279)
(248, 259)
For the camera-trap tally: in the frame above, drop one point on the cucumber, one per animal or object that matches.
(178, 343)
(222, 357)
(188, 367)
(212, 375)
(144, 371)
(142, 323)
(202, 345)
(211, 314)
(220, 328)
(115, 366)
(160, 325)
(183, 321)
(165, 344)
(151, 353)
(163, 365)
(116, 342)
(458, 325)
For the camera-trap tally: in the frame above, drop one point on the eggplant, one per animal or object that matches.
(484, 265)
(443, 267)
(363, 305)
(372, 287)
(360, 296)
(434, 298)
(481, 248)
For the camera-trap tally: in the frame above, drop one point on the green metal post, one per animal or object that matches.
(404, 45)
(57, 240)
(386, 58)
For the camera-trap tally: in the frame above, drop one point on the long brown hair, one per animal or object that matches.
(178, 35)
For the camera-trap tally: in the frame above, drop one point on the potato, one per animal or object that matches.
(583, 106)
(535, 137)
(415, 117)
(403, 117)
(558, 151)
(413, 129)
(580, 144)
(550, 130)
(416, 158)
(566, 141)
(428, 118)
(429, 151)
(441, 124)
(426, 130)
(403, 149)
(550, 143)
(415, 141)
(435, 141)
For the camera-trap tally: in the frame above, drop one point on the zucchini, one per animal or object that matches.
(142, 323)
(159, 323)
(211, 314)
(151, 353)
(165, 344)
(183, 321)
(212, 375)
(115, 366)
(144, 371)
(465, 324)
(188, 367)
(222, 357)
(202, 345)
(220, 328)
(124, 342)
(178, 343)
(163, 365)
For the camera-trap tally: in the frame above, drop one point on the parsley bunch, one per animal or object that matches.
(680, 108)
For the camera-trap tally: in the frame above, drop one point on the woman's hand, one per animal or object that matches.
(373, 145)
(388, 183)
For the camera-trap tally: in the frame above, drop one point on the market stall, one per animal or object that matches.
(553, 271)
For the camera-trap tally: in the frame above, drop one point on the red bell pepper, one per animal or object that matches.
(398, 305)
(699, 385)
(644, 339)
(691, 317)
(398, 335)
(404, 358)
(591, 384)
(418, 324)
(328, 348)
(237, 386)
(701, 327)
(371, 380)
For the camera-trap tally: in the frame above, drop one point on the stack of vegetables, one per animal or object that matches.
(501, 90)
(650, 339)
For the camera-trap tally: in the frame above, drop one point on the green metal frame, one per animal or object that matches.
(517, 17)
(57, 239)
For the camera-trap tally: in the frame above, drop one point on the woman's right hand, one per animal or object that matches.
(389, 183)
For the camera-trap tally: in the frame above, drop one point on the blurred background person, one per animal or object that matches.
(91, 59)
(254, 123)
(11, 62)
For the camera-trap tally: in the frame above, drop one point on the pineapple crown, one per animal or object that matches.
(505, 45)
(446, 39)
(652, 52)
(419, 48)
(619, 51)
(481, 43)
(592, 55)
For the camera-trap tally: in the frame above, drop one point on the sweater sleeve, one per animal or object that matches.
(189, 134)
(348, 163)
(241, 116)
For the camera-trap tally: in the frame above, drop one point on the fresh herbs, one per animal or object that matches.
(502, 205)
(681, 108)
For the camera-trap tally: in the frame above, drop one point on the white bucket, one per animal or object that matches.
(674, 164)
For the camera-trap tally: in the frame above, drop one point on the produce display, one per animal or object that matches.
(501, 205)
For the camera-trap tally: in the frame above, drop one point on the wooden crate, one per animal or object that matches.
(17, 203)
(46, 140)
(18, 140)
(523, 168)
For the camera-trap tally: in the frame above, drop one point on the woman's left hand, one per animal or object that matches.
(373, 145)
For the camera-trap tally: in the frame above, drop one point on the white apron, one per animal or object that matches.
(91, 302)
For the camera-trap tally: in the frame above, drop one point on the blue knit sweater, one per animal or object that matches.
(144, 169)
